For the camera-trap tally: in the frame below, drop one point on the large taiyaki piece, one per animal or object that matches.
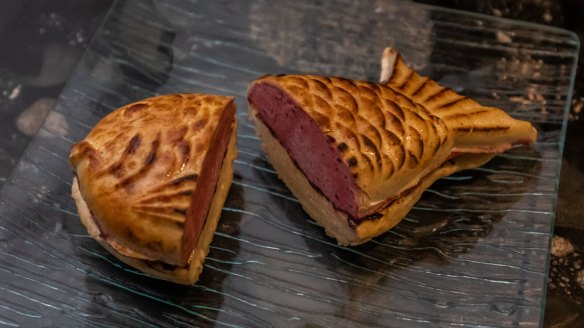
(151, 180)
(358, 155)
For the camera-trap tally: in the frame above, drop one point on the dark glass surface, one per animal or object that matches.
(473, 252)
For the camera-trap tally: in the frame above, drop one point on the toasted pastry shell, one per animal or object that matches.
(188, 274)
(474, 127)
(138, 169)
(402, 135)
(335, 222)
(390, 141)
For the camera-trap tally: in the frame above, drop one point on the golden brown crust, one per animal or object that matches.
(475, 128)
(138, 167)
(182, 275)
(397, 139)
(335, 222)
(387, 141)
(393, 214)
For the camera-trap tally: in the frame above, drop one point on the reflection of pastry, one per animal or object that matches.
(151, 179)
(358, 155)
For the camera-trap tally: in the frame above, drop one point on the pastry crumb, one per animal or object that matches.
(561, 246)
(580, 278)
(504, 37)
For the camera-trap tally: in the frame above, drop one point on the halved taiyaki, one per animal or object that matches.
(358, 155)
(151, 180)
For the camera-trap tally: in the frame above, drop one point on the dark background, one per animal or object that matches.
(42, 42)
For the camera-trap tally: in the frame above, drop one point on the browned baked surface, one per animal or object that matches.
(335, 222)
(474, 128)
(396, 138)
(387, 141)
(186, 275)
(139, 166)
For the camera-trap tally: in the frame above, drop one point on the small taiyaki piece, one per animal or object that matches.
(358, 155)
(151, 179)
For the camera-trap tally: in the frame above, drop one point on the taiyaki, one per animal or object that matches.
(358, 155)
(151, 179)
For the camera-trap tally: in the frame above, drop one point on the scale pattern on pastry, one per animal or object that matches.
(371, 149)
(384, 139)
(140, 167)
(475, 128)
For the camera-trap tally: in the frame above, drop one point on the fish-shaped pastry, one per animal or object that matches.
(151, 179)
(358, 155)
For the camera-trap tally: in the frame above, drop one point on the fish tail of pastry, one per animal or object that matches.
(475, 128)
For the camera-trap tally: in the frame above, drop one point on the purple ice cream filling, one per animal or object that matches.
(307, 145)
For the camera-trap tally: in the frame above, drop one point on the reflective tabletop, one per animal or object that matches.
(474, 251)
